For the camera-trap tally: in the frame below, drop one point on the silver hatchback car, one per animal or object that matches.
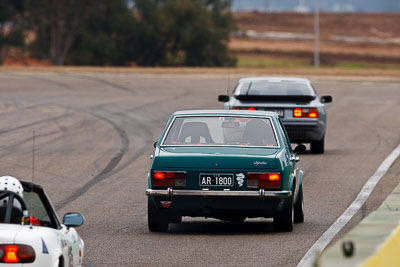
(294, 99)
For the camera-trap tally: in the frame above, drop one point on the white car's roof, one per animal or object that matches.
(275, 79)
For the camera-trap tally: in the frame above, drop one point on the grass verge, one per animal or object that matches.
(240, 71)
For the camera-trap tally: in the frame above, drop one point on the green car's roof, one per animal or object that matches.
(225, 112)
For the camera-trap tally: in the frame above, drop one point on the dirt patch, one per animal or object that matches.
(331, 53)
(355, 24)
(374, 26)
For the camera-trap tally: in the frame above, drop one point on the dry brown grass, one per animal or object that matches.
(384, 26)
(355, 24)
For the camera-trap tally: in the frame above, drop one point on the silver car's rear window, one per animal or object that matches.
(273, 88)
(221, 131)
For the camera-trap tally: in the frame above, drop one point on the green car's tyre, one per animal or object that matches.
(299, 207)
(157, 221)
(317, 147)
(284, 220)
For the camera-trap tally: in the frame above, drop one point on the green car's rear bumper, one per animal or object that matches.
(262, 194)
(218, 203)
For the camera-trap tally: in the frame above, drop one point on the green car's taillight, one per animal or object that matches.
(169, 178)
(263, 180)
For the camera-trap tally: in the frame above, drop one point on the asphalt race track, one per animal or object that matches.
(95, 133)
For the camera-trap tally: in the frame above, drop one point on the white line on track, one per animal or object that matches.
(365, 192)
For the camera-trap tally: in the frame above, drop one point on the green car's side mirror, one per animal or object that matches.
(155, 144)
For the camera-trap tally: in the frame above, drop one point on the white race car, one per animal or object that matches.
(30, 232)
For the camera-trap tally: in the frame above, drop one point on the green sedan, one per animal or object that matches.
(225, 164)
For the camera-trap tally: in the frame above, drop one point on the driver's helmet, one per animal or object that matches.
(9, 183)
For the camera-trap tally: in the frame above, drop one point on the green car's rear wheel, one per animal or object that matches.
(284, 220)
(299, 207)
(157, 220)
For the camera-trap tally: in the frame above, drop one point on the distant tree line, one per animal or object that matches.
(120, 32)
(11, 25)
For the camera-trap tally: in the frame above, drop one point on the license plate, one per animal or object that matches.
(216, 179)
(279, 111)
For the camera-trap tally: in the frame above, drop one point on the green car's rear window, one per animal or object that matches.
(216, 131)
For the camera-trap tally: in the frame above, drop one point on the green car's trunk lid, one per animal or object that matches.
(216, 158)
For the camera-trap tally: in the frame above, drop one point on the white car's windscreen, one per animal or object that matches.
(216, 131)
(37, 209)
(272, 88)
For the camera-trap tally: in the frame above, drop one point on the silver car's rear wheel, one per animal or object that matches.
(317, 147)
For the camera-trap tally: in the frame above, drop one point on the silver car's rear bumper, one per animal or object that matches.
(213, 193)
